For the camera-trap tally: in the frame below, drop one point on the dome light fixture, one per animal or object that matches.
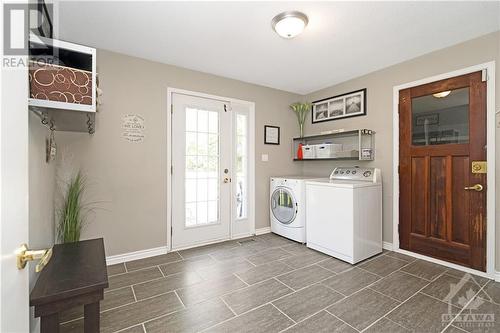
(442, 94)
(289, 24)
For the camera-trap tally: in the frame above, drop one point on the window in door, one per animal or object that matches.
(441, 118)
(202, 166)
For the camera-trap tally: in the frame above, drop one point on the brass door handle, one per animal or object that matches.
(477, 188)
(24, 255)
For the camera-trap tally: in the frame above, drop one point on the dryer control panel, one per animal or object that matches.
(357, 174)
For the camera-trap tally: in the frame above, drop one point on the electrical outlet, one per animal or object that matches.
(265, 157)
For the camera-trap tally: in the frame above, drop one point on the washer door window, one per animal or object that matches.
(283, 206)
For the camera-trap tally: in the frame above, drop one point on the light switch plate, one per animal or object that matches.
(265, 157)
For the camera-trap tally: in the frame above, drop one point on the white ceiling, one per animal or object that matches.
(234, 39)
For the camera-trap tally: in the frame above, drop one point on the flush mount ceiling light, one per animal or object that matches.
(442, 94)
(289, 24)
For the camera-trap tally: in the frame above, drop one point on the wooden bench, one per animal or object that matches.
(75, 276)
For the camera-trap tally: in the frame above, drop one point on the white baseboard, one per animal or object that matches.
(262, 231)
(387, 246)
(497, 276)
(124, 257)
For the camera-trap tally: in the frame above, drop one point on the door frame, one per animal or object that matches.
(489, 69)
(251, 162)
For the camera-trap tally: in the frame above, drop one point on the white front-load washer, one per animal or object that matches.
(287, 207)
(344, 214)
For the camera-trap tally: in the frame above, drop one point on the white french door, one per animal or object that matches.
(201, 173)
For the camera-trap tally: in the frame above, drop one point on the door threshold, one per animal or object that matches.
(446, 264)
(212, 242)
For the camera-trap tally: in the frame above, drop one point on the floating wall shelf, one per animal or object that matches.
(354, 145)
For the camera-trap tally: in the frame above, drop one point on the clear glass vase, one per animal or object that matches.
(301, 127)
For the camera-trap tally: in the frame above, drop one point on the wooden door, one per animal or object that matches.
(442, 128)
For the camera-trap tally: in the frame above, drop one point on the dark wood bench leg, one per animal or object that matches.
(91, 317)
(49, 323)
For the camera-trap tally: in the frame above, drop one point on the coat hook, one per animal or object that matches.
(45, 118)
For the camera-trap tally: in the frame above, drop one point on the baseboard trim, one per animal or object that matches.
(387, 246)
(497, 276)
(262, 231)
(125, 257)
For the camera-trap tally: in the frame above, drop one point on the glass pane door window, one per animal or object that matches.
(441, 118)
(202, 167)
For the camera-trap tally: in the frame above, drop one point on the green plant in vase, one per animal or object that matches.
(73, 211)
(301, 110)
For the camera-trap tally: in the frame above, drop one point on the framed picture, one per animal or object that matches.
(352, 104)
(433, 119)
(271, 135)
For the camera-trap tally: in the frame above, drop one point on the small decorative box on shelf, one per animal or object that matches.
(339, 145)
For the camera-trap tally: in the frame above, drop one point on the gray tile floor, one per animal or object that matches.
(270, 284)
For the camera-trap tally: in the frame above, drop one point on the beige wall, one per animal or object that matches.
(380, 108)
(129, 179)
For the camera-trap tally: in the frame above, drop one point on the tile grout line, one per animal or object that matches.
(226, 304)
(354, 328)
(144, 328)
(283, 283)
(180, 300)
(293, 321)
(392, 321)
(251, 263)
(236, 275)
(228, 319)
(147, 321)
(145, 268)
(378, 292)
(133, 293)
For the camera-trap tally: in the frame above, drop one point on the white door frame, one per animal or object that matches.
(251, 160)
(490, 157)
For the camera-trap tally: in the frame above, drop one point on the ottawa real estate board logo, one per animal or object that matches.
(469, 305)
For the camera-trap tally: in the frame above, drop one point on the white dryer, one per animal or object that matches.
(344, 214)
(287, 207)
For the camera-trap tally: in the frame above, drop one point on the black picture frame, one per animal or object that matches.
(266, 139)
(330, 115)
(45, 27)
